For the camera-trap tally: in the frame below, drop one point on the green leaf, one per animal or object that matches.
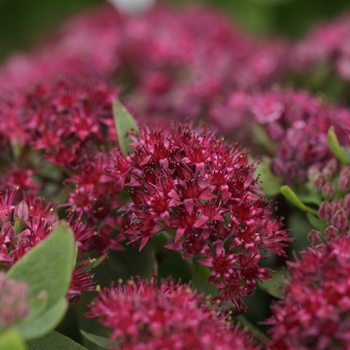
(103, 342)
(271, 184)
(257, 333)
(310, 198)
(316, 223)
(294, 199)
(37, 305)
(335, 147)
(275, 286)
(54, 341)
(93, 263)
(11, 340)
(48, 266)
(35, 328)
(124, 124)
(200, 275)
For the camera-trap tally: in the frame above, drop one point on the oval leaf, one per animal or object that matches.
(43, 324)
(54, 341)
(48, 266)
(124, 124)
(102, 342)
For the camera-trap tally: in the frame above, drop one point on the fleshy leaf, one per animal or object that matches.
(316, 223)
(48, 266)
(270, 183)
(124, 124)
(335, 147)
(102, 342)
(38, 327)
(294, 199)
(275, 286)
(12, 340)
(37, 305)
(200, 275)
(54, 341)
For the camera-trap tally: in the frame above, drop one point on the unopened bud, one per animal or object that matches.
(330, 169)
(331, 233)
(325, 211)
(340, 220)
(22, 211)
(328, 190)
(336, 204)
(318, 182)
(314, 237)
(344, 179)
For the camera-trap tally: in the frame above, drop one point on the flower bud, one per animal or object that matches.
(325, 211)
(328, 190)
(336, 204)
(318, 182)
(344, 179)
(331, 233)
(314, 237)
(330, 169)
(340, 220)
(22, 211)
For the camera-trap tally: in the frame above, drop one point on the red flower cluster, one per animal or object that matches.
(26, 224)
(202, 192)
(65, 118)
(295, 123)
(85, 45)
(172, 66)
(143, 316)
(325, 44)
(314, 313)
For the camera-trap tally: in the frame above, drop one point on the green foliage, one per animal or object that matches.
(47, 269)
(125, 125)
(11, 340)
(335, 147)
(270, 183)
(54, 341)
(292, 197)
(102, 342)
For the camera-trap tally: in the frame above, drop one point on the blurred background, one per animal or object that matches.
(23, 22)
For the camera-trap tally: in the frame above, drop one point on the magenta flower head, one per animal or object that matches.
(314, 312)
(143, 316)
(203, 193)
(27, 223)
(293, 124)
(64, 117)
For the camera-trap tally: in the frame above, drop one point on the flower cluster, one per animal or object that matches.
(314, 313)
(63, 117)
(163, 57)
(325, 44)
(85, 45)
(27, 223)
(186, 181)
(14, 304)
(171, 59)
(143, 316)
(295, 123)
(332, 184)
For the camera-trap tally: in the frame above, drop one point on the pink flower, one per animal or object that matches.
(186, 181)
(64, 117)
(314, 312)
(290, 125)
(143, 316)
